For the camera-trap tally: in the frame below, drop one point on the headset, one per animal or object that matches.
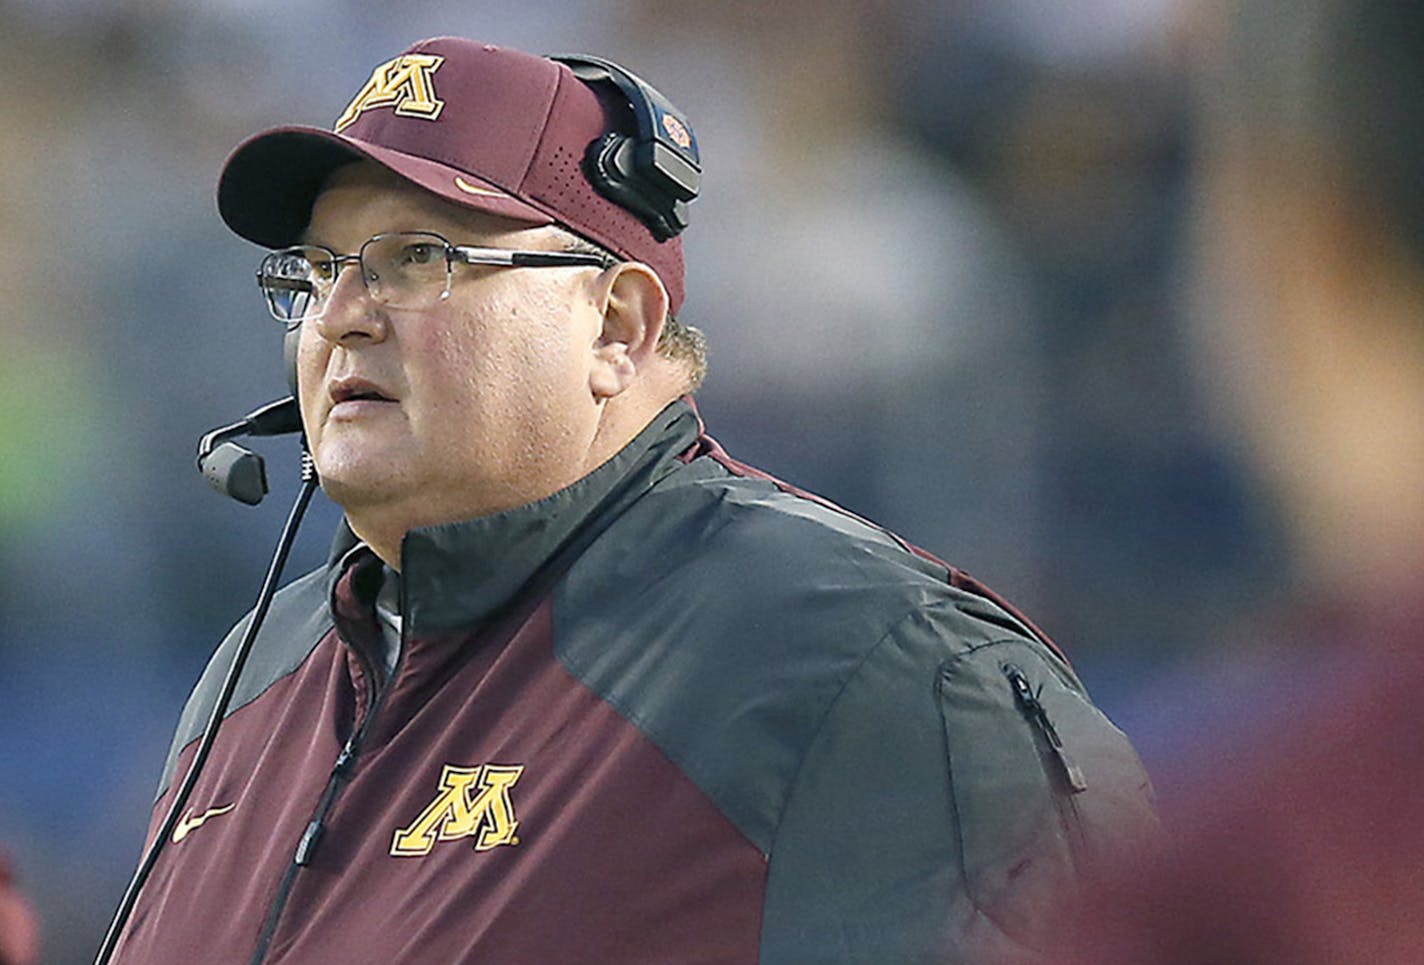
(654, 173)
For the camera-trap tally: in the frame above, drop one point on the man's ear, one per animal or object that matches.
(634, 304)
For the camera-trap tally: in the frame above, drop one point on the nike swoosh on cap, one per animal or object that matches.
(469, 188)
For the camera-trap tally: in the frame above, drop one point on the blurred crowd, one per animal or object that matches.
(974, 218)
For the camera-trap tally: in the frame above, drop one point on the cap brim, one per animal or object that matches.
(270, 182)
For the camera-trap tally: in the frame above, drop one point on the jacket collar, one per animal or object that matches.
(457, 575)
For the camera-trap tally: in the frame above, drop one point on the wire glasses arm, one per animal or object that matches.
(525, 259)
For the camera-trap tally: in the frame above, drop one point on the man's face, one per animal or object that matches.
(475, 405)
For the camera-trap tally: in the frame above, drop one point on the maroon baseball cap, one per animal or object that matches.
(486, 127)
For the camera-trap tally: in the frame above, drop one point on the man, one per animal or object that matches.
(1299, 836)
(576, 685)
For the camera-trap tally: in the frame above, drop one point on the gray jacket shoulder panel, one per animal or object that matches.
(723, 616)
(850, 712)
(299, 618)
(1046, 788)
(958, 806)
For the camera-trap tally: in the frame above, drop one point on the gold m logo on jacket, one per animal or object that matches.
(473, 802)
(405, 83)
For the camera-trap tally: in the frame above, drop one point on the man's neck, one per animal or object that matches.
(383, 527)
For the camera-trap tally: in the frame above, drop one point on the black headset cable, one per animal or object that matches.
(210, 732)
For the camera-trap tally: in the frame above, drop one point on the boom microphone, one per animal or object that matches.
(238, 472)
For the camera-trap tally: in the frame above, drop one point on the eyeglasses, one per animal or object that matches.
(404, 269)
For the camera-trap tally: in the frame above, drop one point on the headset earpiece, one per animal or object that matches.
(655, 171)
(610, 168)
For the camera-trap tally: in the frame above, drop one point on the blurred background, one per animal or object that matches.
(947, 258)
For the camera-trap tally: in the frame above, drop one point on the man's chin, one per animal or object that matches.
(354, 484)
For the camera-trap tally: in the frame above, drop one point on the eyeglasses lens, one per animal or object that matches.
(408, 270)
(293, 281)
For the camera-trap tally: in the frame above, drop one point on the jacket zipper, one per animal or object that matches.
(306, 846)
(1069, 775)
(1064, 773)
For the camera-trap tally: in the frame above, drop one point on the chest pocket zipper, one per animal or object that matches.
(1068, 774)
(1064, 773)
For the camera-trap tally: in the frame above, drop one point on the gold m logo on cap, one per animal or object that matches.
(405, 83)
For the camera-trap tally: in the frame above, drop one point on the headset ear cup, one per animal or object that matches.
(290, 342)
(610, 167)
(653, 172)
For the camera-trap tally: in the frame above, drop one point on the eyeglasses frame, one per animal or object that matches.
(462, 254)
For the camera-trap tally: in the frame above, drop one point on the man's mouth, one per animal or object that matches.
(356, 390)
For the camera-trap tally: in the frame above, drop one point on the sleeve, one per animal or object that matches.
(953, 804)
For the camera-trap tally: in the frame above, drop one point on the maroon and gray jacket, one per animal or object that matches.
(677, 712)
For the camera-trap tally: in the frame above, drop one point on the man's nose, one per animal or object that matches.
(351, 313)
